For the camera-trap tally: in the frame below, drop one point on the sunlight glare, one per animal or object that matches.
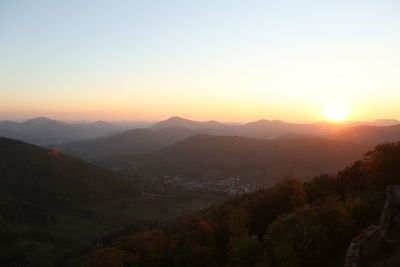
(336, 114)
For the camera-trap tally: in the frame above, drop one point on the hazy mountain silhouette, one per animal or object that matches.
(371, 135)
(185, 123)
(43, 121)
(129, 142)
(379, 122)
(300, 136)
(176, 129)
(265, 128)
(257, 129)
(7, 132)
(361, 134)
(385, 122)
(255, 160)
(101, 124)
(275, 128)
(42, 130)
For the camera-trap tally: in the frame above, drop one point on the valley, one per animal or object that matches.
(143, 179)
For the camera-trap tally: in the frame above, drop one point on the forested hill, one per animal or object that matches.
(49, 203)
(54, 207)
(40, 175)
(207, 157)
(129, 142)
(290, 224)
(369, 134)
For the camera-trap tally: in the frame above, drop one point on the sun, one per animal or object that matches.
(336, 114)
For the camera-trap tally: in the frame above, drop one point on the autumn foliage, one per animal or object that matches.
(289, 224)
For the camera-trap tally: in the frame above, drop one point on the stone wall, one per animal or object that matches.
(367, 244)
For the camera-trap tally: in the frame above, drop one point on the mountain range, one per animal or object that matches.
(43, 131)
(176, 129)
(259, 152)
(55, 204)
(265, 128)
(132, 141)
(371, 135)
(257, 129)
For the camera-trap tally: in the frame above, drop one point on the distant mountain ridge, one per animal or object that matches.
(257, 129)
(369, 134)
(264, 128)
(185, 123)
(129, 142)
(379, 122)
(43, 121)
(176, 129)
(42, 130)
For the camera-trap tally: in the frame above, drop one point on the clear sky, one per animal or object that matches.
(226, 60)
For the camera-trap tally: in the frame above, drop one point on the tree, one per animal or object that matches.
(246, 251)
(320, 187)
(194, 243)
(309, 235)
(145, 249)
(105, 257)
(266, 206)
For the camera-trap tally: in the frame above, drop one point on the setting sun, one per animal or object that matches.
(187, 133)
(336, 114)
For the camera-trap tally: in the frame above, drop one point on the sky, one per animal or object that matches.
(211, 59)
